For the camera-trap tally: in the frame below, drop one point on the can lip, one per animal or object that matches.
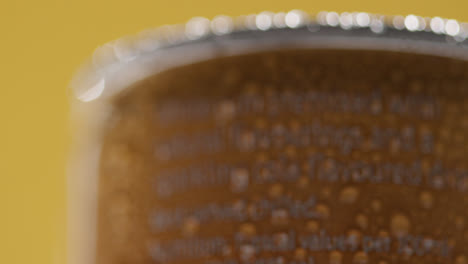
(126, 60)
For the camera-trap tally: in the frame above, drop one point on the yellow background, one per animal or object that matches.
(42, 42)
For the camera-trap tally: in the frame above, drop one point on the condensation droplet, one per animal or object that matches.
(426, 199)
(461, 260)
(407, 252)
(119, 157)
(459, 222)
(395, 145)
(252, 210)
(119, 217)
(323, 211)
(291, 151)
(238, 206)
(163, 153)
(376, 205)
(226, 110)
(120, 205)
(400, 225)
(362, 221)
(312, 226)
(300, 254)
(261, 123)
(451, 243)
(226, 251)
(279, 260)
(376, 107)
(349, 195)
(360, 258)
(276, 190)
(239, 180)
(247, 252)
(303, 182)
(383, 234)
(247, 141)
(428, 243)
(328, 165)
(439, 148)
(247, 229)
(354, 238)
(191, 226)
(335, 257)
(326, 192)
(281, 240)
(425, 166)
(279, 217)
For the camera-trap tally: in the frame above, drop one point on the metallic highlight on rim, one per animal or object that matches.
(198, 27)
(125, 50)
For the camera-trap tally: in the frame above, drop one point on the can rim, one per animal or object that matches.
(121, 62)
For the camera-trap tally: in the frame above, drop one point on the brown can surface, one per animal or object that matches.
(295, 156)
(288, 156)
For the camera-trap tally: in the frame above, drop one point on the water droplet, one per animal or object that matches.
(416, 86)
(335, 257)
(247, 141)
(425, 166)
(354, 238)
(226, 251)
(191, 226)
(399, 225)
(247, 252)
(329, 165)
(323, 211)
(360, 258)
(439, 148)
(279, 217)
(376, 157)
(326, 192)
(362, 221)
(407, 252)
(247, 229)
(265, 174)
(119, 217)
(383, 233)
(452, 242)
(118, 156)
(426, 199)
(459, 222)
(226, 110)
(395, 146)
(376, 107)
(461, 260)
(428, 243)
(376, 205)
(306, 167)
(281, 240)
(276, 190)
(120, 205)
(252, 210)
(261, 157)
(279, 260)
(380, 220)
(291, 151)
(303, 182)
(349, 195)
(238, 206)
(300, 254)
(239, 180)
(312, 226)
